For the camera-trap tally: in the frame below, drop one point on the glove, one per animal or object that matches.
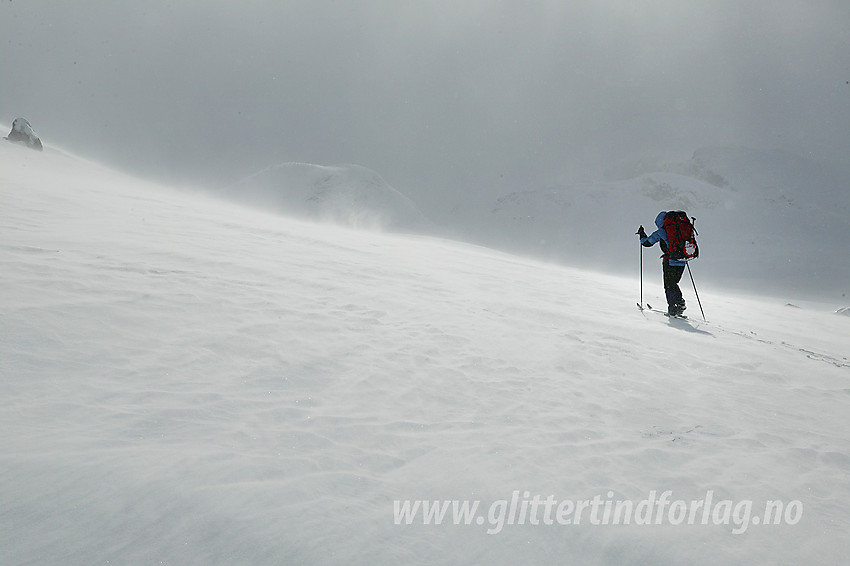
(641, 232)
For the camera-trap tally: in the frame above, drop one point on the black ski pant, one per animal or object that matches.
(672, 276)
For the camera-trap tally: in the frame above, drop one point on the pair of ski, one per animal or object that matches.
(648, 307)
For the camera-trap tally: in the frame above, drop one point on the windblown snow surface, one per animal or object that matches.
(347, 195)
(189, 382)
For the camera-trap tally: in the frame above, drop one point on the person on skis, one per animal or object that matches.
(672, 268)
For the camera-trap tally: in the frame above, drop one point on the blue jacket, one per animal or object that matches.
(661, 235)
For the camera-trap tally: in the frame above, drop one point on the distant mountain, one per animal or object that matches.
(350, 195)
(768, 220)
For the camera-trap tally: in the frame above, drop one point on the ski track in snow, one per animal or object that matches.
(694, 324)
(189, 382)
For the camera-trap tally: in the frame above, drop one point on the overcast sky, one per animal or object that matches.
(442, 97)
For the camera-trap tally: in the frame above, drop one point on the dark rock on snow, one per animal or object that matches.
(22, 132)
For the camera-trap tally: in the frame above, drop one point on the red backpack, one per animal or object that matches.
(681, 243)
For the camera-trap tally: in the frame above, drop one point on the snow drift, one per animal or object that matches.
(349, 195)
(189, 382)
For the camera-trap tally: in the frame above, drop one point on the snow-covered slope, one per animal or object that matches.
(768, 220)
(348, 195)
(189, 382)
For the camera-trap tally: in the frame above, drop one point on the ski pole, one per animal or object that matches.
(641, 276)
(695, 290)
(641, 271)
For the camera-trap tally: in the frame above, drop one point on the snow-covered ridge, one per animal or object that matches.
(350, 195)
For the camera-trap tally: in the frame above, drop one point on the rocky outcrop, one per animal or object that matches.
(22, 132)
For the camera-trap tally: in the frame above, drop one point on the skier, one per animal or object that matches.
(672, 268)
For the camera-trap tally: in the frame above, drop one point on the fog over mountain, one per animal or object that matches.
(450, 102)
